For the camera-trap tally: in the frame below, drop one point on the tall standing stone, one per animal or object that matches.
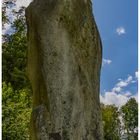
(64, 61)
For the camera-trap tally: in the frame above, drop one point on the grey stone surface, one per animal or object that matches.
(64, 61)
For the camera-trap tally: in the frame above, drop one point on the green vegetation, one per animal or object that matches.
(120, 123)
(16, 111)
(111, 122)
(16, 93)
(130, 117)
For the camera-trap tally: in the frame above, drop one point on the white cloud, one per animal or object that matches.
(120, 99)
(113, 98)
(122, 83)
(120, 30)
(128, 94)
(116, 89)
(20, 3)
(117, 95)
(106, 61)
(136, 74)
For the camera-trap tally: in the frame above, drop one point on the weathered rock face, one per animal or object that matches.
(64, 61)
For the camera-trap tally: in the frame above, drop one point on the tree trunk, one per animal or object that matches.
(64, 61)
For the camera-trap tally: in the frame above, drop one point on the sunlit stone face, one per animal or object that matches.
(85, 1)
(64, 61)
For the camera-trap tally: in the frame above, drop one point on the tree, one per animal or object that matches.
(14, 60)
(111, 122)
(14, 49)
(130, 118)
(16, 92)
(16, 111)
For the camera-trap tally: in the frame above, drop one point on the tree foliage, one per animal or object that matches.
(14, 52)
(16, 111)
(111, 122)
(130, 118)
(120, 123)
(14, 60)
(16, 92)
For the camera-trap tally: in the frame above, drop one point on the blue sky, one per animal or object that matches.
(117, 22)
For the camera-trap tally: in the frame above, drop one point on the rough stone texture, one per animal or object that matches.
(64, 61)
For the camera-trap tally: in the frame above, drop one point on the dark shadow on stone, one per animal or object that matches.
(54, 136)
